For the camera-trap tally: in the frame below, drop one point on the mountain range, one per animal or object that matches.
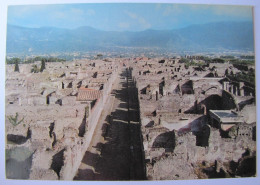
(210, 37)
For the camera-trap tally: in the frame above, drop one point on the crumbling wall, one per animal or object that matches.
(74, 154)
(52, 117)
(97, 109)
(188, 93)
(182, 162)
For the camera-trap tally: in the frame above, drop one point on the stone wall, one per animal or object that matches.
(74, 154)
(182, 162)
(54, 126)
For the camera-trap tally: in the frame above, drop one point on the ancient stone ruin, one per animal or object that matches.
(195, 121)
(51, 116)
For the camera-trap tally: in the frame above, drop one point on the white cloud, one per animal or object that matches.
(143, 23)
(131, 14)
(66, 17)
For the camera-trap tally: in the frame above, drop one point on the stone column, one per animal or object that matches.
(224, 86)
(235, 90)
(231, 88)
(241, 88)
(242, 92)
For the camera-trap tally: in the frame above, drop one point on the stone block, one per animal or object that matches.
(40, 130)
(37, 100)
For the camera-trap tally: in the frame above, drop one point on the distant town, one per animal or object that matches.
(143, 116)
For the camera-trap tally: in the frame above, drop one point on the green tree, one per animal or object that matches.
(184, 60)
(13, 60)
(218, 60)
(43, 65)
(16, 67)
(34, 69)
(38, 58)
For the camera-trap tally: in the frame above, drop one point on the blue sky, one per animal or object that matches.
(124, 17)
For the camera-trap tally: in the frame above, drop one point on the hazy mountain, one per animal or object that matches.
(205, 37)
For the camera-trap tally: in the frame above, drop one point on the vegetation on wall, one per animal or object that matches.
(14, 119)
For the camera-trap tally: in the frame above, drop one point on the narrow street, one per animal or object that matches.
(116, 147)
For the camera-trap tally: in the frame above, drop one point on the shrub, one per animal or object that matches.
(14, 119)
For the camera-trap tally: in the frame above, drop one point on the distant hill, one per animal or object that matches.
(210, 37)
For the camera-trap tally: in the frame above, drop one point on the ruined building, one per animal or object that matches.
(196, 122)
(51, 116)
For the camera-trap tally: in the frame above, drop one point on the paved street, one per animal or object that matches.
(115, 152)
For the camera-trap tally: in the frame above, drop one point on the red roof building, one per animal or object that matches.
(86, 94)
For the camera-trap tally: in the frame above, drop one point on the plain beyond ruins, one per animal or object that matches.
(134, 118)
